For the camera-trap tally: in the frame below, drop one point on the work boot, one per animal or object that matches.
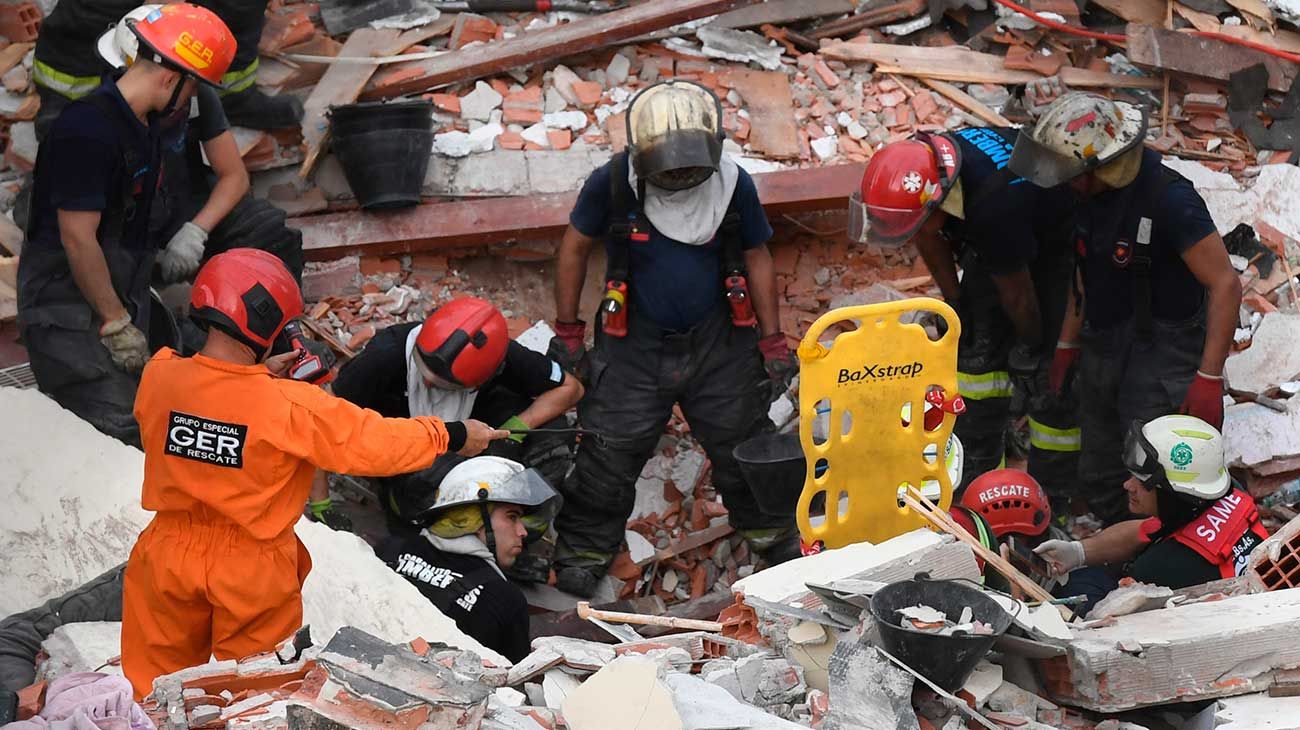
(577, 581)
(325, 513)
(534, 564)
(255, 110)
(774, 545)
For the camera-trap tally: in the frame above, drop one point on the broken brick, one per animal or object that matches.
(827, 76)
(508, 140)
(371, 265)
(446, 102)
(561, 139)
(471, 28)
(587, 93)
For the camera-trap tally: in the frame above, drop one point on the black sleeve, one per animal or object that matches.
(211, 122)
(369, 379)
(529, 373)
(1173, 565)
(509, 618)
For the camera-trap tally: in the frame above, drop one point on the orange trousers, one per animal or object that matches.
(197, 587)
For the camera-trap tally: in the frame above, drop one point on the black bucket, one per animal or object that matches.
(945, 660)
(774, 467)
(384, 150)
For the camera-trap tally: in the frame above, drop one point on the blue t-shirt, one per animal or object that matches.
(1007, 226)
(81, 167)
(674, 284)
(1108, 224)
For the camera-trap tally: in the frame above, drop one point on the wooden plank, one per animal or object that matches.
(773, 132)
(958, 63)
(967, 102)
(481, 221)
(13, 54)
(1151, 12)
(1202, 57)
(781, 12)
(341, 84)
(550, 43)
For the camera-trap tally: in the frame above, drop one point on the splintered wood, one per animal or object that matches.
(773, 132)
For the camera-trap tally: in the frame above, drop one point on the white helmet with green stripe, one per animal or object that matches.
(1183, 452)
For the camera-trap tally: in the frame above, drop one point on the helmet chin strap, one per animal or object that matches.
(488, 532)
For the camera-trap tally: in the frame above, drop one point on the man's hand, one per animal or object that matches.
(1062, 556)
(1063, 360)
(779, 361)
(126, 343)
(1204, 399)
(181, 258)
(279, 364)
(568, 347)
(478, 435)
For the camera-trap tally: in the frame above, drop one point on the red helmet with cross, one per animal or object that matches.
(1011, 501)
(904, 183)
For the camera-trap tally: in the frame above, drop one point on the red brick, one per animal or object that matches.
(924, 104)
(525, 117)
(499, 86)
(361, 337)
(420, 646)
(371, 265)
(285, 27)
(588, 93)
(331, 278)
(508, 140)
(429, 262)
(827, 76)
(446, 102)
(470, 28)
(561, 139)
(30, 700)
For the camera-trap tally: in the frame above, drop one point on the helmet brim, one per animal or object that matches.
(108, 50)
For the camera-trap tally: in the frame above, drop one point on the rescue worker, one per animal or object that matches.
(460, 363)
(85, 269)
(230, 448)
(203, 205)
(64, 69)
(689, 317)
(1198, 526)
(953, 196)
(1007, 508)
(1159, 296)
(474, 531)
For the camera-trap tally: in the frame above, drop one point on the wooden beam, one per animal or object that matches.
(1206, 58)
(545, 45)
(340, 85)
(957, 63)
(482, 221)
(1151, 12)
(781, 12)
(967, 102)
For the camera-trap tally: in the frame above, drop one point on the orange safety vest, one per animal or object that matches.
(1225, 533)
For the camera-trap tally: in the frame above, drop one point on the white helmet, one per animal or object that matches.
(1181, 452)
(492, 479)
(1081, 132)
(674, 134)
(118, 45)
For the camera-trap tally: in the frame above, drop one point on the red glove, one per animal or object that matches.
(1067, 354)
(778, 360)
(572, 334)
(1204, 399)
(568, 346)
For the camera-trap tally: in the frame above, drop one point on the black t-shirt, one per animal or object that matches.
(1172, 564)
(1110, 223)
(376, 377)
(467, 590)
(1008, 221)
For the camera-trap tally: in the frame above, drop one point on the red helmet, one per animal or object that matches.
(904, 183)
(1011, 500)
(463, 342)
(187, 38)
(248, 294)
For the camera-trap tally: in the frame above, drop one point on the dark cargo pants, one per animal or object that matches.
(715, 373)
(1121, 380)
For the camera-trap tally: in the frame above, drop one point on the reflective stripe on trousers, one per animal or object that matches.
(983, 386)
(236, 81)
(73, 87)
(1047, 438)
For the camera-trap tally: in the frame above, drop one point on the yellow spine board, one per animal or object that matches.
(874, 374)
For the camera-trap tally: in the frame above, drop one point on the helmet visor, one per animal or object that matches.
(1140, 457)
(1043, 166)
(530, 490)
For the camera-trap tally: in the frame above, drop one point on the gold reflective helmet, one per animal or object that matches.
(674, 132)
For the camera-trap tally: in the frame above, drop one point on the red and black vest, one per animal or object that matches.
(1226, 533)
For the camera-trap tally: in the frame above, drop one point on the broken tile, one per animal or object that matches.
(627, 694)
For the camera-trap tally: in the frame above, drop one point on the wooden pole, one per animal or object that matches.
(940, 519)
(585, 611)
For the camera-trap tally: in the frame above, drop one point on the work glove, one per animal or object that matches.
(1022, 364)
(569, 346)
(1063, 360)
(1204, 399)
(1062, 556)
(181, 258)
(514, 423)
(126, 343)
(779, 362)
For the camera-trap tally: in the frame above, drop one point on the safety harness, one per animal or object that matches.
(628, 226)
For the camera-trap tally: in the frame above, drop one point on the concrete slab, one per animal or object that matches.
(868, 692)
(1256, 435)
(551, 171)
(627, 695)
(704, 706)
(82, 647)
(1195, 652)
(1271, 359)
(1258, 712)
(500, 172)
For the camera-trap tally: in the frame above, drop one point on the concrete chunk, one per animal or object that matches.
(1272, 357)
(1192, 652)
(703, 706)
(627, 695)
(82, 647)
(868, 692)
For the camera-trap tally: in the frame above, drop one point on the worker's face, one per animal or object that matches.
(1141, 501)
(188, 86)
(509, 529)
(1087, 185)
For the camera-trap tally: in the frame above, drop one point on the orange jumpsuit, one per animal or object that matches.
(229, 457)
